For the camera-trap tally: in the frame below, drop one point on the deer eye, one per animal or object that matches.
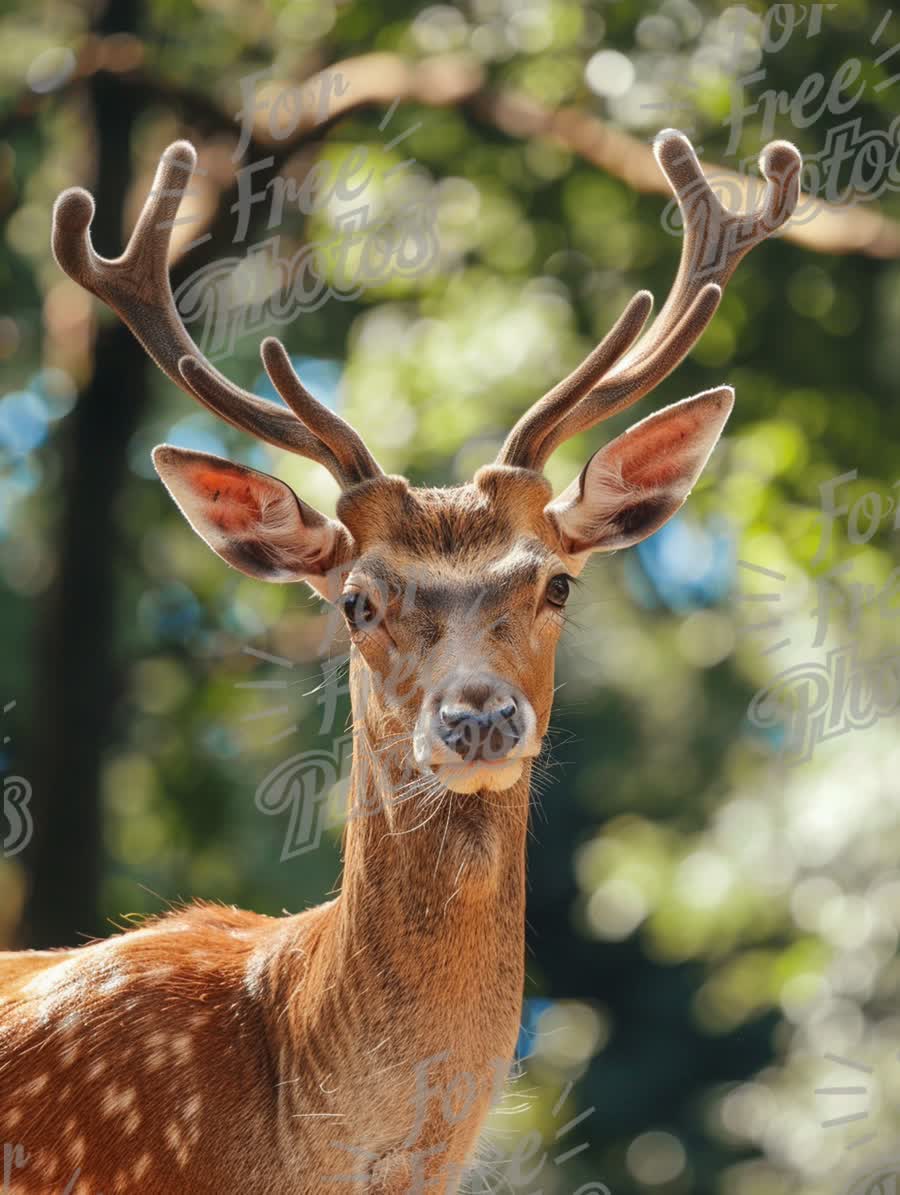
(558, 590)
(357, 608)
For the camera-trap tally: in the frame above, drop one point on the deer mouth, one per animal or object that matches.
(480, 775)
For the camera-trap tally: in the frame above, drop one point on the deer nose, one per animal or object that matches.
(479, 734)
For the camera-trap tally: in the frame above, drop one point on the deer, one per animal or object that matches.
(363, 1040)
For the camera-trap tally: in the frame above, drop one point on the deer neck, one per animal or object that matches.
(432, 898)
(430, 860)
(413, 976)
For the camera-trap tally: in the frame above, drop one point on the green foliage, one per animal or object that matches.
(707, 925)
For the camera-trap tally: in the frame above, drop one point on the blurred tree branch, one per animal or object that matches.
(76, 674)
(826, 227)
(383, 79)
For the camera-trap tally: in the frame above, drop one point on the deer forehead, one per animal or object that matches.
(474, 579)
(484, 520)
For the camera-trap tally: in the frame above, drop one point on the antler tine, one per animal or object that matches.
(714, 242)
(715, 239)
(333, 431)
(137, 287)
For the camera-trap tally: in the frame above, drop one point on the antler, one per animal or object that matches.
(136, 286)
(619, 372)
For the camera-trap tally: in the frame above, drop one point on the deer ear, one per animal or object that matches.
(637, 482)
(254, 522)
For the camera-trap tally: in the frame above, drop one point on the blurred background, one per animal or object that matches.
(713, 912)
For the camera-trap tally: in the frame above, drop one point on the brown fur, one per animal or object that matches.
(213, 1049)
(216, 1050)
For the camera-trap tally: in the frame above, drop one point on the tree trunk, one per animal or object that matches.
(74, 688)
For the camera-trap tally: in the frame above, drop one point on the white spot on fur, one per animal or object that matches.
(177, 1144)
(183, 1047)
(116, 1101)
(49, 981)
(65, 989)
(113, 982)
(70, 1052)
(35, 1087)
(156, 1044)
(255, 972)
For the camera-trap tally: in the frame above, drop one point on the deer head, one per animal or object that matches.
(453, 597)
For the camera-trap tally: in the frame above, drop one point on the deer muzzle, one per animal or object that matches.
(476, 733)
